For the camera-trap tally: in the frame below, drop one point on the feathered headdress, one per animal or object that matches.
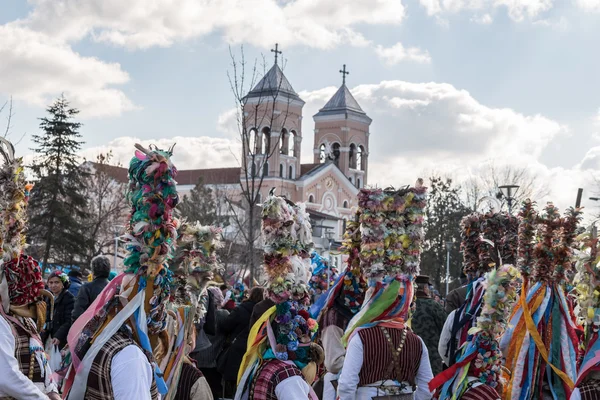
(145, 287)
(543, 318)
(21, 282)
(285, 332)
(481, 357)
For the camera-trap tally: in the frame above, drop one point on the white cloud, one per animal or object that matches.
(422, 127)
(37, 68)
(398, 53)
(142, 24)
(189, 152)
(518, 10)
(561, 24)
(589, 5)
(484, 19)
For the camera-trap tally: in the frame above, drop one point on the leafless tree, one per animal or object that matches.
(256, 116)
(485, 182)
(107, 206)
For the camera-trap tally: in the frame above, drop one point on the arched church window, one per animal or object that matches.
(252, 141)
(281, 170)
(292, 144)
(336, 153)
(322, 155)
(258, 197)
(345, 203)
(311, 199)
(266, 142)
(358, 183)
(352, 156)
(291, 172)
(253, 170)
(359, 158)
(266, 169)
(283, 142)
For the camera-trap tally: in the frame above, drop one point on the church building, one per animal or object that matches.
(329, 185)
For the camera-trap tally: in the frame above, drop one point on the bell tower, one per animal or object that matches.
(273, 116)
(342, 127)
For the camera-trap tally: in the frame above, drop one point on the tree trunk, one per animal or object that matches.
(251, 245)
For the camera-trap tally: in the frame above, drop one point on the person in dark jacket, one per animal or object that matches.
(75, 279)
(428, 321)
(456, 298)
(206, 359)
(237, 326)
(57, 329)
(88, 292)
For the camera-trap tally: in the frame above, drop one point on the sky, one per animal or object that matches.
(451, 85)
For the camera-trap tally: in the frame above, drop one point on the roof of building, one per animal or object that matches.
(274, 83)
(209, 176)
(342, 102)
(306, 169)
(320, 215)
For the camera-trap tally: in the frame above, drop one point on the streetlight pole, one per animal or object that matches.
(116, 231)
(329, 235)
(508, 192)
(448, 248)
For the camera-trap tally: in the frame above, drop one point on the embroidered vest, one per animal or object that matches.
(271, 374)
(23, 353)
(590, 390)
(28, 365)
(99, 386)
(377, 357)
(481, 392)
(187, 379)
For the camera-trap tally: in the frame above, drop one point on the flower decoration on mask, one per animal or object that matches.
(392, 230)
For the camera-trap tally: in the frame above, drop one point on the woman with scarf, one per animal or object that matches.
(59, 323)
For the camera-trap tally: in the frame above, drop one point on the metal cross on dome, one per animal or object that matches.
(344, 73)
(276, 51)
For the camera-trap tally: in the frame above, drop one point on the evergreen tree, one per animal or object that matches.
(199, 205)
(444, 213)
(58, 205)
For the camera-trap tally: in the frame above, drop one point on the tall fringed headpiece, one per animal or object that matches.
(287, 244)
(285, 332)
(487, 240)
(348, 292)
(145, 287)
(543, 318)
(21, 280)
(477, 231)
(481, 357)
(391, 244)
(587, 285)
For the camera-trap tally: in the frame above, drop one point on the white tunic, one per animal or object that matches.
(13, 382)
(348, 383)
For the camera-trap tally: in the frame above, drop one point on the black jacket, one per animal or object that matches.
(237, 326)
(59, 327)
(87, 294)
